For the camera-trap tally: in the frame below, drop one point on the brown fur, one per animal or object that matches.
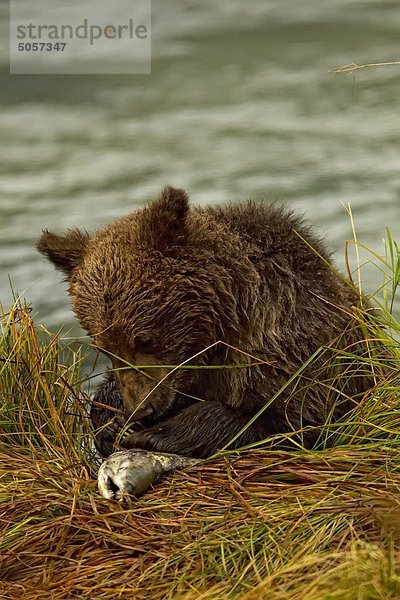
(164, 282)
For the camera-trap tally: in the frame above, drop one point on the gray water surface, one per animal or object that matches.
(240, 103)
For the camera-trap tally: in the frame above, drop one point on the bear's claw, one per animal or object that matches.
(131, 472)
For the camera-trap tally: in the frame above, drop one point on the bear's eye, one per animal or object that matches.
(144, 343)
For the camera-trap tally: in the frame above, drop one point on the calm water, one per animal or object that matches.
(240, 103)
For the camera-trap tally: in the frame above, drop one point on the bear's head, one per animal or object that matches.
(148, 294)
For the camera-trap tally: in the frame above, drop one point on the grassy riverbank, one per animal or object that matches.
(318, 525)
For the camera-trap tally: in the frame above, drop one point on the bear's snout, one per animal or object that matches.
(140, 413)
(141, 396)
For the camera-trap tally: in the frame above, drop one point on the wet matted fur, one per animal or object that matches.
(167, 281)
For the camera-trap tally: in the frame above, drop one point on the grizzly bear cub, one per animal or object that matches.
(245, 293)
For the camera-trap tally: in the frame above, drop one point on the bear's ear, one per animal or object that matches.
(163, 221)
(64, 251)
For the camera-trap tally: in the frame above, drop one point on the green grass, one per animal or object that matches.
(314, 525)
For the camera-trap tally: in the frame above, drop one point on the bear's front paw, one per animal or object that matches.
(130, 473)
(149, 439)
